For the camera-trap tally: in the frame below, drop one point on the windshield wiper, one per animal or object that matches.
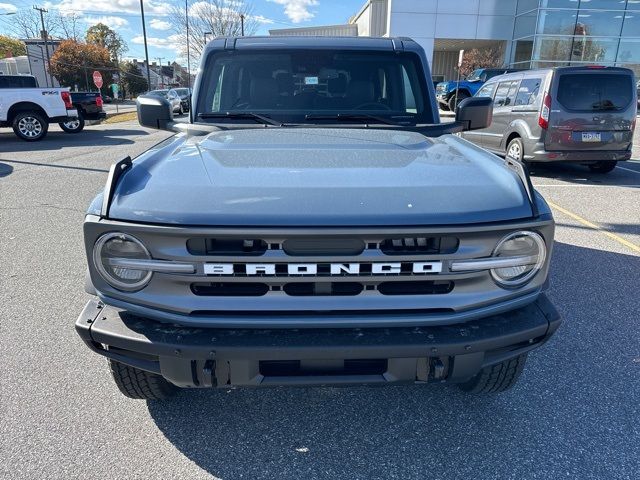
(248, 115)
(358, 116)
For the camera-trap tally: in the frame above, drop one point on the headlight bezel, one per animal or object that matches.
(520, 281)
(108, 277)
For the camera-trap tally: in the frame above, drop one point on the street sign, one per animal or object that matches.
(97, 79)
(460, 57)
(115, 88)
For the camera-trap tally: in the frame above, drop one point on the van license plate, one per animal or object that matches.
(591, 137)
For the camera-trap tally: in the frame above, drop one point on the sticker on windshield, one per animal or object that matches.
(311, 80)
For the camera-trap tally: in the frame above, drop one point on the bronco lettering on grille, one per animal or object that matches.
(313, 268)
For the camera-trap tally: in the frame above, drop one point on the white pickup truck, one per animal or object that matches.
(29, 111)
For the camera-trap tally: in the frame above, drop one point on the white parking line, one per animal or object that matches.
(629, 170)
(571, 185)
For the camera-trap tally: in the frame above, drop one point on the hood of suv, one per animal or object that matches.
(316, 177)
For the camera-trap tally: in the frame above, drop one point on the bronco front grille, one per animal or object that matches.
(308, 289)
(282, 273)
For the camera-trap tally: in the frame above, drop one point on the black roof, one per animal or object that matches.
(313, 42)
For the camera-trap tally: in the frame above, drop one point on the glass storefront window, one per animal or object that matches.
(523, 50)
(559, 3)
(526, 5)
(605, 4)
(552, 48)
(557, 22)
(629, 50)
(599, 23)
(525, 25)
(535, 65)
(593, 49)
(633, 5)
(631, 26)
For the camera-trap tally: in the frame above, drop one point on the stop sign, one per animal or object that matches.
(97, 79)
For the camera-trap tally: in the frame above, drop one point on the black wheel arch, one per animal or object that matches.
(25, 107)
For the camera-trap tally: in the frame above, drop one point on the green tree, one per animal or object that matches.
(102, 35)
(73, 63)
(11, 47)
(132, 79)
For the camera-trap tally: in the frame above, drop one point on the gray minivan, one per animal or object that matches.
(583, 114)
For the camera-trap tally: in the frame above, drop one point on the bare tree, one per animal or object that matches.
(69, 26)
(481, 58)
(213, 18)
(26, 24)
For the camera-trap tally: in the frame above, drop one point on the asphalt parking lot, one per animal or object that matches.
(574, 414)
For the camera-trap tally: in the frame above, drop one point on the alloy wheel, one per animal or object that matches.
(30, 127)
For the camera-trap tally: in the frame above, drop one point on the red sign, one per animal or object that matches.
(97, 79)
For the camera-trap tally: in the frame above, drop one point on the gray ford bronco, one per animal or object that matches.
(314, 223)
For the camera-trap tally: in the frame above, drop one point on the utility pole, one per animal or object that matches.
(186, 14)
(146, 52)
(44, 37)
(161, 74)
(242, 24)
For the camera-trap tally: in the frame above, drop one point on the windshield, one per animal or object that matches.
(299, 86)
(475, 75)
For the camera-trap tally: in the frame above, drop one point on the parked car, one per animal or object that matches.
(322, 228)
(185, 97)
(172, 97)
(579, 114)
(446, 91)
(89, 106)
(29, 110)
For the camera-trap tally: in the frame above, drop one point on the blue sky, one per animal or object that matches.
(124, 16)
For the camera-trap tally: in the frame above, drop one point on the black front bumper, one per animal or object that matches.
(202, 357)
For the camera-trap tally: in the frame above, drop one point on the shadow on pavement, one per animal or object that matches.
(51, 165)
(5, 170)
(58, 140)
(558, 421)
(580, 174)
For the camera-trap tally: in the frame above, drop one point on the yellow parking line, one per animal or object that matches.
(584, 221)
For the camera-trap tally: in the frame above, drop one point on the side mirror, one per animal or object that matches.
(154, 112)
(475, 112)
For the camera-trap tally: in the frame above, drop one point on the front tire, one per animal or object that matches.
(604, 166)
(452, 100)
(30, 126)
(135, 383)
(496, 378)
(73, 126)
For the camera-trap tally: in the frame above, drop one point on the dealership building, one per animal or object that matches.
(527, 33)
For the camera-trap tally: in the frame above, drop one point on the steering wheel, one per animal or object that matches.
(372, 104)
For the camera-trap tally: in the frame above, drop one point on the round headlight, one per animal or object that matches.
(112, 252)
(529, 253)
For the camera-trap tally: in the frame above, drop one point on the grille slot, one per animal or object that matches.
(323, 246)
(415, 288)
(321, 288)
(226, 246)
(412, 245)
(228, 289)
(315, 289)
